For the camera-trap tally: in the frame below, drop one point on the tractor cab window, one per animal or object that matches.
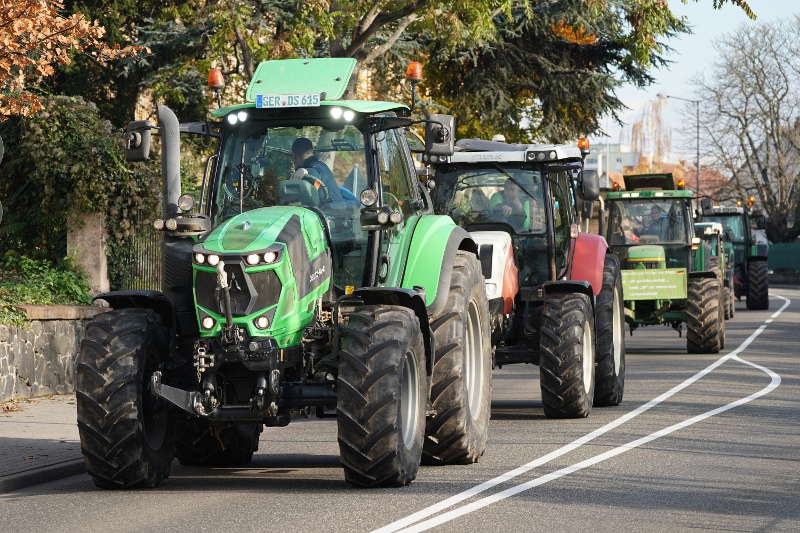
(563, 209)
(493, 194)
(294, 163)
(734, 223)
(640, 221)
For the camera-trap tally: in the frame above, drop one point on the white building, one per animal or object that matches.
(610, 159)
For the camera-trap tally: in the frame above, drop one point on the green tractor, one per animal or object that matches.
(669, 275)
(555, 295)
(751, 271)
(720, 250)
(311, 277)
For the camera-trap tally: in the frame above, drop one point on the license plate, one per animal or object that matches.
(272, 101)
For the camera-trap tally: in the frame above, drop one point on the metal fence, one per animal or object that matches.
(139, 264)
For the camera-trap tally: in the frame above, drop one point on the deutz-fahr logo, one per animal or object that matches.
(315, 275)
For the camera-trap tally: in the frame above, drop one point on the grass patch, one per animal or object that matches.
(24, 280)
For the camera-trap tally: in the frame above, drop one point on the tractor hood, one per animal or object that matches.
(646, 252)
(253, 231)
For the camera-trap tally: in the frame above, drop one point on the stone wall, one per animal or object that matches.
(40, 359)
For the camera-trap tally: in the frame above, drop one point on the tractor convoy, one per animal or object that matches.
(336, 265)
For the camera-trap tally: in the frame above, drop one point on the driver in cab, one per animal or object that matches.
(309, 165)
(519, 209)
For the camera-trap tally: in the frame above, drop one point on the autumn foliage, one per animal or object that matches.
(34, 38)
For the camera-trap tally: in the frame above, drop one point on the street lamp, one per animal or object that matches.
(697, 115)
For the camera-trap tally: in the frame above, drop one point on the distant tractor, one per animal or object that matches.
(555, 294)
(721, 253)
(668, 276)
(312, 276)
(751, 271)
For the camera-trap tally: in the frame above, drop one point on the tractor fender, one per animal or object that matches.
(404, 298)
(434, 244)
(702, 274)
(588, 261)
(154, 300)
(563, 286)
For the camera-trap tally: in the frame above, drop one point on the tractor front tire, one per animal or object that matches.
(705, 323)
(758, 285)
(461, 389)
(610, 330)
(726, 299)
(567, 356)
(382, 392)
(205, 444)
(126, 433)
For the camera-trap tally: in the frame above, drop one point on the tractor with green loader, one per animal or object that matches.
(555, 294)
(669, 276)
(751, 270)
(311, 277)
(720, 249)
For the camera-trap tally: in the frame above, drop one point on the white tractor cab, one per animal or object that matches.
(522, 205)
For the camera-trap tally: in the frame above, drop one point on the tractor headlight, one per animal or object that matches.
(242, 116)
(348, 115)
(213, 260)
(262, 322)
(208, 323)
(270, 257)
(336, 113)
(252, 259)
(232, 119)
(199, 259)
(158, 224)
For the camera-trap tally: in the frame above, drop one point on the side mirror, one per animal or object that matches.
(138, 141)
(590, 185)
(439, 135)
(705, 204)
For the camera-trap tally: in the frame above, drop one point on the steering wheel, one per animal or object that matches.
(232, 185)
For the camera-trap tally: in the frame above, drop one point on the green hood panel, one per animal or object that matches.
(646, 252)
(255, 230)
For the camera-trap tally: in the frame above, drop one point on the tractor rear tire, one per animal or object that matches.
(461, 388)
(567, 356)
(757, 285)
(382, 392)
(610, 329)
(126, 433)
(726, 299)
(732, 302)
(705, 324)
(205, 444)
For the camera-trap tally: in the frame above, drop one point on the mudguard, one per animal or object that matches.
(702, 274)
(561, 286)
(405, 298)
(154, 300)
(588, 260)
(431, 255)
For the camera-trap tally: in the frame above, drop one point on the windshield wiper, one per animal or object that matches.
(514, 180)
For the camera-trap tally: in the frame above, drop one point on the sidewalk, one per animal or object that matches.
(38, 441)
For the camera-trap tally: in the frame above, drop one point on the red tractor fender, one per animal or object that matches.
(588, 260)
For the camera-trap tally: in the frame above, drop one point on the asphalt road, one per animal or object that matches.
(720, 451)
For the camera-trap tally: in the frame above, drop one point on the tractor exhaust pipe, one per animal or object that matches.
(169, 129)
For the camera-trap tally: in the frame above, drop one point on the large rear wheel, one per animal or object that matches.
(610, 325)
(757, 285)
(567, 356)
(461, 388)
(126, 432)
(705, 324)
(382, 392)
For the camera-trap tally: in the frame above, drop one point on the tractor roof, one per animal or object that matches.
(648, 195)
(662, 182)
(327, 77)
(708, 228)
(724, 210)
(478, 151)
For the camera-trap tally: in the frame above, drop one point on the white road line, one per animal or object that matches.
(486, 485)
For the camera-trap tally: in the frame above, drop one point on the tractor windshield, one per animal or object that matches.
(292, 164)
(647, 221)
(735, 223)
(493, 194)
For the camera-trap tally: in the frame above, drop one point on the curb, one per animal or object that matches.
(45, 474)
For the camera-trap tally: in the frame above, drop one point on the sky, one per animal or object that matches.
(692, 54)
